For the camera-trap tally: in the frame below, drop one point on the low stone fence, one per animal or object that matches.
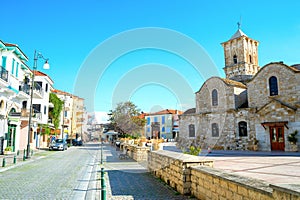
(209, 183)
(190, 175)
(135, 152)
(174, 168)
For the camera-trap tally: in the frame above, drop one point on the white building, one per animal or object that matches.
(14, 93)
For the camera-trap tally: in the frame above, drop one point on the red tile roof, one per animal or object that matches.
(167, 111)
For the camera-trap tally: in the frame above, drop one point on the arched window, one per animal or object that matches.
(214, 97)
(191, 130)
(1, 104)
(235, 59)
(214, 130)
(243, 129)
(250, 59)
(273, 86)
(13, 110)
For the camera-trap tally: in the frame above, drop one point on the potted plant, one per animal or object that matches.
(7, 150)
(143, 141)
(292, 138)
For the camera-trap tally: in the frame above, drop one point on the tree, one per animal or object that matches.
(55, 112)
(126, 119)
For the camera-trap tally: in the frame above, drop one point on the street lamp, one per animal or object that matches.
(46, 66)
(63, 121)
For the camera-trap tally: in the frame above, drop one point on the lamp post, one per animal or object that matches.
(46, 66)
(63, 121)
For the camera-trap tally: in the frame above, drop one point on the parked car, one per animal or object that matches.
(77, 142)
(58, 144)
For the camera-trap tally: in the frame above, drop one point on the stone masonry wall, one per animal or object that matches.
(288, 86)
(191, 175)
(174, 168)
(136, 152)
(208, 183)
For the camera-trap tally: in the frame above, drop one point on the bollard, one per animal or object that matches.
(103, 186)
(3, 162)
(24, 155)
(15, 159)
(31, 153)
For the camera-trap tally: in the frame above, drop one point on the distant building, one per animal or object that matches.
(74, 116)
(162, 124)
(251, 104)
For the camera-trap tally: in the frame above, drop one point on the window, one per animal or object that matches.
(24, 104)
(214, 96)
(235, 59)
(163, 119)
(250, 59)
(148, 121)
(215, 130)
(13, 66)
(242, 129)
(273, 86)
(155, 119)
(4, 62)
(163, 129)
(191, 130)
(46, 87)
(17, 69)
(45, 110)
(38, 85)
(66, 113)
(13, 110)
(36, 108)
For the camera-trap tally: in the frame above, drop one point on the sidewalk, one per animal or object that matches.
(127, 179)
(9, 159)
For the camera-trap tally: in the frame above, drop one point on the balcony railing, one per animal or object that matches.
(25, 88)
(35, 114)
(3, 74)
(38, 89)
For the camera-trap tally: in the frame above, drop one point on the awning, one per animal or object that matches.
(282, 123)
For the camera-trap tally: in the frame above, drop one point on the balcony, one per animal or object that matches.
(36, 115)
(38, 91)
(24, 91)
(3, 74)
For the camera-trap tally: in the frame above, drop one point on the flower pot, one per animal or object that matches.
(255, 147)
(294, 147)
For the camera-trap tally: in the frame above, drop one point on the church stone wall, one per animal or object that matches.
(204, 96)
(288, 81)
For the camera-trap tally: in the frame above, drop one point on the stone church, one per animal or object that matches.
(252, 105)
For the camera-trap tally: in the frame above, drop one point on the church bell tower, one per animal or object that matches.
(241, 57)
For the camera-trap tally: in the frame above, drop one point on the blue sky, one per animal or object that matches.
(69, 32)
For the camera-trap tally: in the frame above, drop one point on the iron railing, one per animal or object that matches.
(3, 74)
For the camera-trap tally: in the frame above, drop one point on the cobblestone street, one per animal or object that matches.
(58, 175)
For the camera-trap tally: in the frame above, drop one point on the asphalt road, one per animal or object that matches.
(67, 174)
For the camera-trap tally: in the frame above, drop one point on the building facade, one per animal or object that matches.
(74, 117)
(14, 94)
(252, 105)
(16, 85)
(162, 124)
